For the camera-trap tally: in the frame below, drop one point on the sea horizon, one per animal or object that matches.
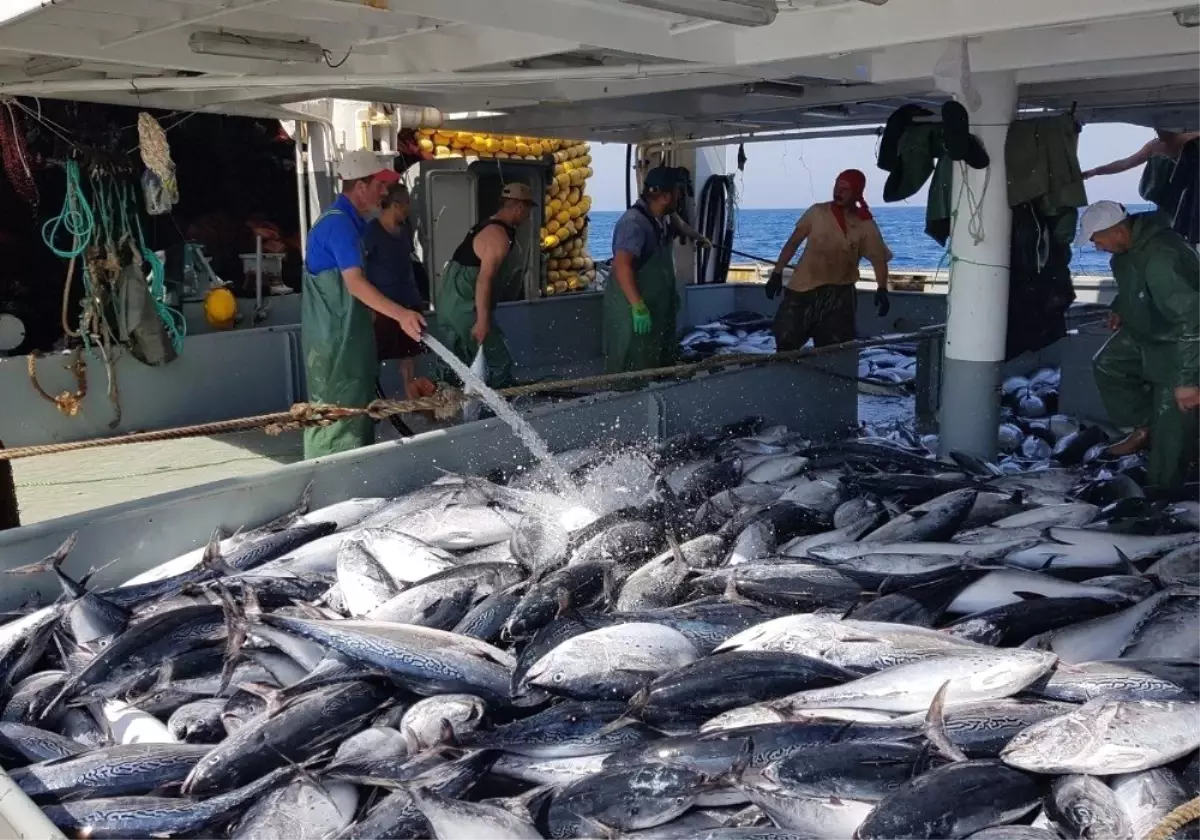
(763, 232)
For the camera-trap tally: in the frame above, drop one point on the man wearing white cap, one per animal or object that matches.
(337, 305)
(1148, 373)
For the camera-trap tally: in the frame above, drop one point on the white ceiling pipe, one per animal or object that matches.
(506, 78)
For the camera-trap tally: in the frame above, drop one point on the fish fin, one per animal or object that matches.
(632, 714)
(251, 608)
(1048, 536)
(446, 734)
(564, 602)
(1029, 596)
(527, 803)
(594, 828)
(935, 726)
(49, 563)
(1045, 567)
(268, 693)
(236, 627)
(1127, 563)
(741, 763)
(92, 571)
(411, 740)
(731, 595)
(611, 591)
(918, 514)
(1018, 496)
(212, 558)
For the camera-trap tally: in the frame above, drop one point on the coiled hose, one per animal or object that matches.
(716, 219)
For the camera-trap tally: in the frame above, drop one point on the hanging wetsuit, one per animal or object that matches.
(648, 239)
(455, 304)
(1156, 348)
(336, 332)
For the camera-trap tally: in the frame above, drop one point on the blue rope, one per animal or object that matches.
(76, 218)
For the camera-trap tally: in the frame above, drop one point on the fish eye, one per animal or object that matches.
(558, 678)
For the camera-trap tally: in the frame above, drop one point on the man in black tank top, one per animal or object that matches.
(488, 255)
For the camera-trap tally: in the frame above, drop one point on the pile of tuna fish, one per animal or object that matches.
(733, 334)
(888, 365)
(736, 636)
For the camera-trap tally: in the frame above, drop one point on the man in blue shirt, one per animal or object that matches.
(388, 241)
(335, 321)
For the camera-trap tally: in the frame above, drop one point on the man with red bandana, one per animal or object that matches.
(818, 302)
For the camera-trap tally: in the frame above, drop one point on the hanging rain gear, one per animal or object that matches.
(654, 273)
(1157, 347)
(339, 356)
(455, 305)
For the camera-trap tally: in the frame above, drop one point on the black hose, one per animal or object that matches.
(716, 217)
(628, 167)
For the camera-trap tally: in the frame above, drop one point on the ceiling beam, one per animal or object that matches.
(863, 26)
(611, 28)
(1052, 47)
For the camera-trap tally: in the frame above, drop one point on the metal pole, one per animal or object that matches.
(977, 304)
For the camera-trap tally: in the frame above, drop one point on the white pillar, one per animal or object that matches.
(977, 305)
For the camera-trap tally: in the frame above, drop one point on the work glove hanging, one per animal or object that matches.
(641, 318)
(882, 305)
(774, 284)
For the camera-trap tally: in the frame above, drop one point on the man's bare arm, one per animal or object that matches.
(1154, 147)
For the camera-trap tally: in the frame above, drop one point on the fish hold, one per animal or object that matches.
(953, 801)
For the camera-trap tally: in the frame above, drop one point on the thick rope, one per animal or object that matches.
(448, 401)
(1176, 820)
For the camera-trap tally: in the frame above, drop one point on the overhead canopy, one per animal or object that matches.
(603, 69)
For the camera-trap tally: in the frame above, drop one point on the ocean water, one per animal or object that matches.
(763, 233)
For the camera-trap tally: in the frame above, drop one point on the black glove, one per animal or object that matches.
(882, 304)
(774, 284)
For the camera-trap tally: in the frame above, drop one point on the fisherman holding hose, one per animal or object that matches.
(1148, 373)
(819, 300)
(641, 301)
(335, 319)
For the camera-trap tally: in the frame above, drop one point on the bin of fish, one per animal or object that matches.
(888, 368)
(733, 636)
(735, 333)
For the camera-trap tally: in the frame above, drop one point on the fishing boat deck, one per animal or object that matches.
(50, 486)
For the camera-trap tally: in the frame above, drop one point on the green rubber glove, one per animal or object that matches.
(641, 319)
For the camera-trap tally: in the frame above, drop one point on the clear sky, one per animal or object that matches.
(797, 173)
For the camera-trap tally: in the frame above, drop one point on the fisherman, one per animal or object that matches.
(1166, 144)
(819, 301)
(488, 256)
(1159, 157)
(388, 241)
(1148, 372)
(335, 321)
(640, 307)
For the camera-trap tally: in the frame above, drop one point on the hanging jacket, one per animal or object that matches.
(1158, 299)
(1185, 182)
(1040, 290)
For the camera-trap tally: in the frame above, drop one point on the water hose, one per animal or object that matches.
(717, 216)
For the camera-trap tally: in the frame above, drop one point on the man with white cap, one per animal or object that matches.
(1148, 373)
(338, 303)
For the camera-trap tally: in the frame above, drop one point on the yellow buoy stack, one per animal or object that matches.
(566, 265)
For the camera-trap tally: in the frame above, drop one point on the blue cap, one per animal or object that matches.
(661, 178)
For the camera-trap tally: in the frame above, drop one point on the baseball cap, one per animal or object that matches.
(362, 163)
(517, 191)
(1100, 216)
(661, 178)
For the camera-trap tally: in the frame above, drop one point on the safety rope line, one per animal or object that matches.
(1176, 820)
(448, 401)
